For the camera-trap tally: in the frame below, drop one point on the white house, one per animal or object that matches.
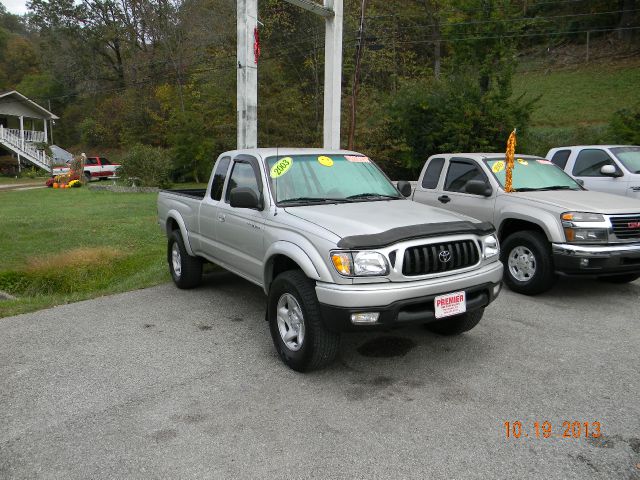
(24, 129)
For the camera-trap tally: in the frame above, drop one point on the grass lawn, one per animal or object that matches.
(60, 246)
(14, 181)
(586, 95)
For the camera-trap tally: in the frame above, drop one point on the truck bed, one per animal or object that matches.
(189, 192)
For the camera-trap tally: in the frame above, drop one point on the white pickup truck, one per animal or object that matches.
(334, 245)
(603, 168)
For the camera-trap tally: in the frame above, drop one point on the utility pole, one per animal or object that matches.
(247, 77)
(356, 78)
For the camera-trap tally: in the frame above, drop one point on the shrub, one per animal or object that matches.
(30, 173)
(624, 126)
(146, 166)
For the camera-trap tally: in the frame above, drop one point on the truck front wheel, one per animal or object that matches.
(458, 324)
(186, 271)
(528, 266)
(296, 325)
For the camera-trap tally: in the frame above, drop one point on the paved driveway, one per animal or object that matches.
(162, 383)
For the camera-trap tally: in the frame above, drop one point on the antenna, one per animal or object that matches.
(275, 185)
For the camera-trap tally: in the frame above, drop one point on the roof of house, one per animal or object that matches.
(22, 99)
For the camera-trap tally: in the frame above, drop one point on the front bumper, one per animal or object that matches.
(404, 303)
(597, 259)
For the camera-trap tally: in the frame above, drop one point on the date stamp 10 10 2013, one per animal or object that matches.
(568, 429)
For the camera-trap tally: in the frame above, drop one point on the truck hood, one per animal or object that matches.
(582, 201)
(366, 218)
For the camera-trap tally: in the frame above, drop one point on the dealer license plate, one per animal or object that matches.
(450, 304)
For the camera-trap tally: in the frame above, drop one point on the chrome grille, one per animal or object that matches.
(432, 258)
(626, 226)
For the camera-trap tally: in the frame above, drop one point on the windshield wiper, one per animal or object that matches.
(372, 195)
(311, 200)
(542, 189)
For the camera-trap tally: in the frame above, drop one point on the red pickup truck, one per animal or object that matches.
(94, 168)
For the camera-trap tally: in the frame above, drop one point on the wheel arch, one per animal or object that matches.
(283, 256)
(176, 222)
(516, 223)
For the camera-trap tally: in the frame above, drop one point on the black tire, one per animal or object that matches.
(319, 346)
(621, 278)
(457, 324)
(87, 176)
(543, 277)
(190, 274)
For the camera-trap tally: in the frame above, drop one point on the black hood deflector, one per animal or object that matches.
(412, 232)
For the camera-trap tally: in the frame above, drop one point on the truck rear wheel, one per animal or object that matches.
(528, 266)
(186, 271)
(457, 324)
(296, 325)
(87, 176)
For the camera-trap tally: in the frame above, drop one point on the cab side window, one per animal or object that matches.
(219, 177)
(242, 175)
(460, 172)
(560, 158)
(589, 163)
(432, 173)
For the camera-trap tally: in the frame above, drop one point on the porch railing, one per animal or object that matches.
(28, 150)
(31, 136)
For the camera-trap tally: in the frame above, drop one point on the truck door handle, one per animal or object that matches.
(444, 198)
(222, 217)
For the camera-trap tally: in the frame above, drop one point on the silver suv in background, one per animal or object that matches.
(334, 245)
(550, 224)
(604, 168)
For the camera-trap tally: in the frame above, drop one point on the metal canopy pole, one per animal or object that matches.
(247, 94)
(332, 13)
(332, 74)
(247, 77)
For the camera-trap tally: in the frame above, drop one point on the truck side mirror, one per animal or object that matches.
(610, 171)
(478, 187)
(404, 188)
(244, 197)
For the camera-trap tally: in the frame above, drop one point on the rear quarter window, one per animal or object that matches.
(560, 158)
(432, 173)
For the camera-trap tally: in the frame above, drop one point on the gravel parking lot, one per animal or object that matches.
(162, 383)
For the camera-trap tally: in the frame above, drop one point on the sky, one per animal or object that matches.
(15, 6)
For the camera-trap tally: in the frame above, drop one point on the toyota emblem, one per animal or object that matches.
(444, 256)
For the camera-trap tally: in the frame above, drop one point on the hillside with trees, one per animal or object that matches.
(436, 75)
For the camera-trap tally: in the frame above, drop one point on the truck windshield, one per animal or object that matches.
(325, 178)
(530, 174)
(629, 156)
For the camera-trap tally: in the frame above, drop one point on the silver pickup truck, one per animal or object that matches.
(335, 246)
(550, 224)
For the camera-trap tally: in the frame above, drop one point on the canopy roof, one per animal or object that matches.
(13, 103)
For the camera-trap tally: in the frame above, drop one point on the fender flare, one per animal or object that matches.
(552, 231)
(175, 215)
(288, 249)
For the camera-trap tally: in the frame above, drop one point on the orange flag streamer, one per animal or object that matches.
(511, 151)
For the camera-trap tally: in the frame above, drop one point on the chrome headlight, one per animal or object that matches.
(581, 217)
(360, 264)
(490, 246)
